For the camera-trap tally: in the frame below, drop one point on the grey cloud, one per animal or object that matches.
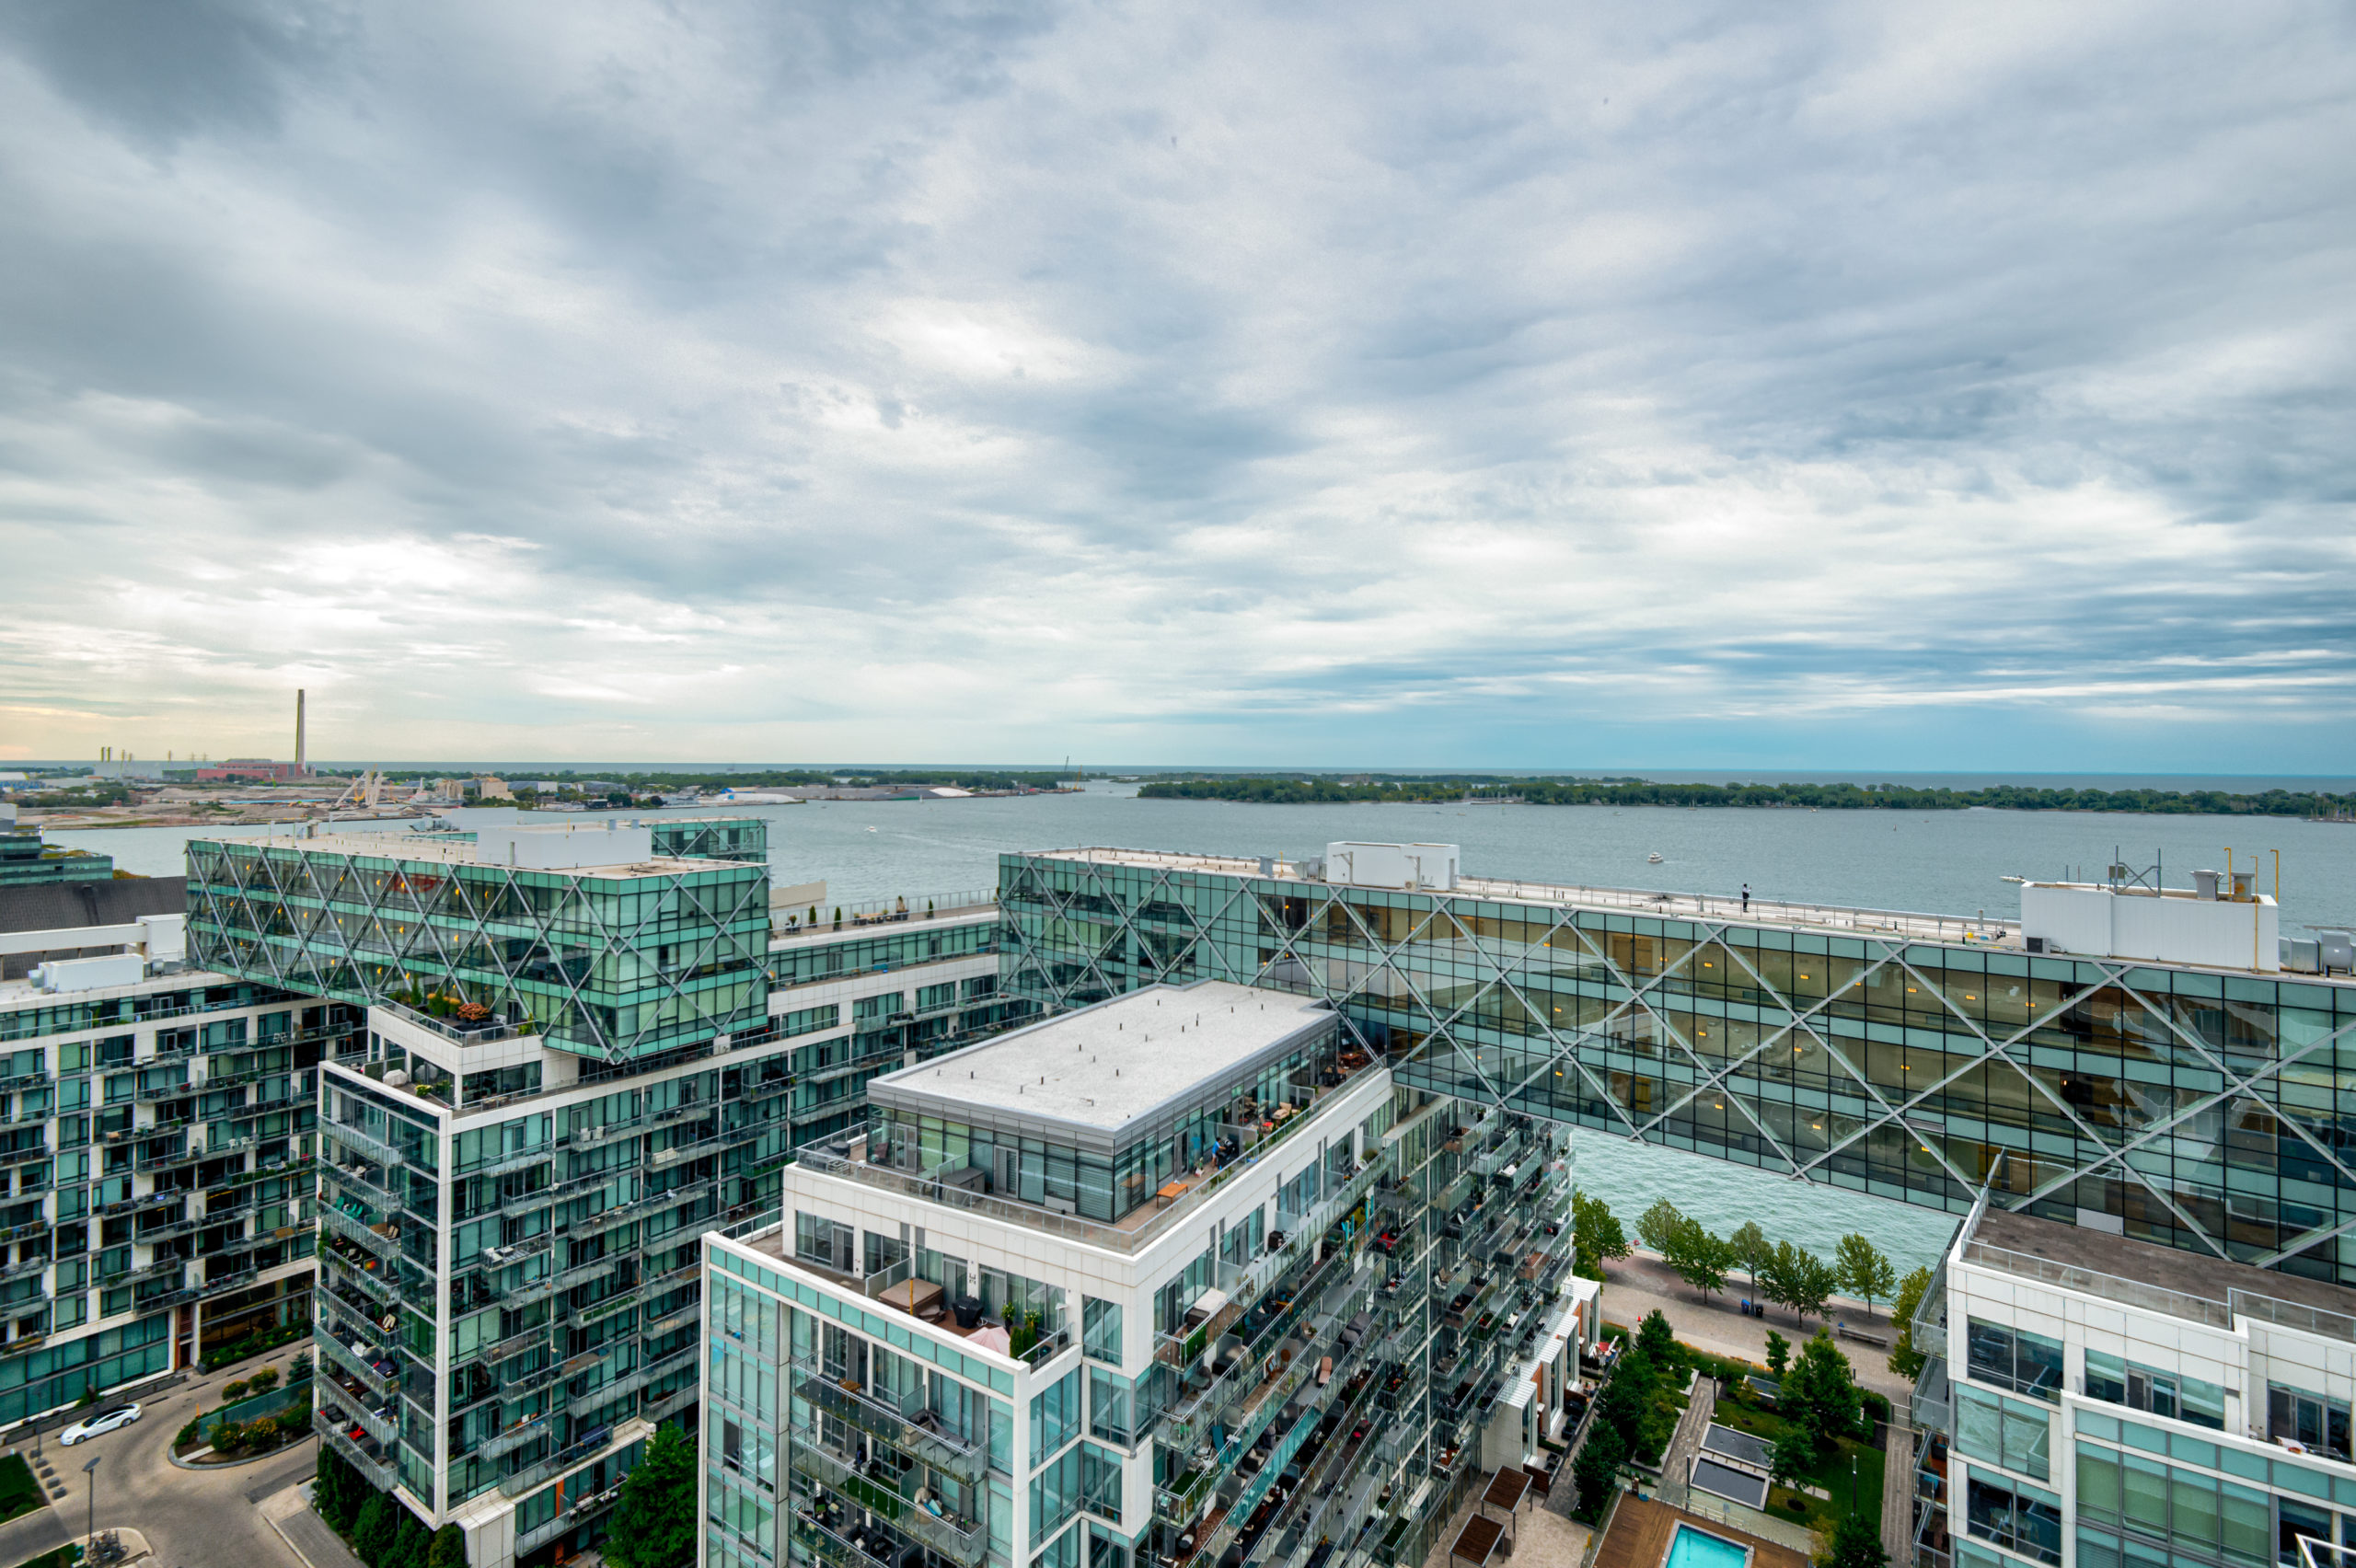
(897, 355)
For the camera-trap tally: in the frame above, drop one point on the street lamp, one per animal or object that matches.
(90, 1553)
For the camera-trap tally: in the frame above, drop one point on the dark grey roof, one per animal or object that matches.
(44, 906)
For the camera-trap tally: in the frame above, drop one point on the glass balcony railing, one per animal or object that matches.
(914, 1436)
(959, 1541)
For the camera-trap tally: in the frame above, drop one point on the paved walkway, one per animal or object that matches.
(1897, 1492)
(1677, 1460)
(290, 1515)
(1635, 1287)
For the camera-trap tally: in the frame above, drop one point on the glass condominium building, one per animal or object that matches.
(2079, 1069)
(1182, 1276)
(156, 1172)
(580, 1054)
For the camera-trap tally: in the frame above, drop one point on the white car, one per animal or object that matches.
(99, 1424)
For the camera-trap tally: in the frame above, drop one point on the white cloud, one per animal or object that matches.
(604, 380)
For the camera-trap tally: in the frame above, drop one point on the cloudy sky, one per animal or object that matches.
(1666, 384)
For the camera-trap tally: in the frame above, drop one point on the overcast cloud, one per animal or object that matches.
(1946, 386)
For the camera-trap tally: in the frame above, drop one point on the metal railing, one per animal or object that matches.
(488, 1032)
(956, 1541)
(1112, 1236)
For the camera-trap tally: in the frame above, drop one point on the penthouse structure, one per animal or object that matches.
(1184, 1275)
(2094, 1402)
(579, 1054)
(2131, 1060)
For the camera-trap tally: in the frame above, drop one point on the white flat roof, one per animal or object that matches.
(1109, 1067)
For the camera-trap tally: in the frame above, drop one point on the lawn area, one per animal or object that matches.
(20, 1492)
(1830, 1473)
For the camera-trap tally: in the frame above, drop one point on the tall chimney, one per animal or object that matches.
(299, 766)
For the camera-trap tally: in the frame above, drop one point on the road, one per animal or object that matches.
(193, 1518)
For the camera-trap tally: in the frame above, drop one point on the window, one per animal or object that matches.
(1055, 1416)
(2018, 1517)
(2171, 1394)
(2316, 1424)
(818, 1240)
(1999, 1430)
(1101, 1478)
(2297, 1519)
(1056, 1492)
(1101, 1329)
(1110, 1407)
(2014, 1359)
(885, 1251)
(2198, 1515)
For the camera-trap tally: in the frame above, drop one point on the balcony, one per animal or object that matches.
(967, 1461)
(486, 1032)
(958, 1542)
(374, 1463)
(386, 1245)
(501, 1350)
(366, 1144)
(578, 1452)
(578, 1513)
(341, 1410)
(499, 1445)
(349, 1362)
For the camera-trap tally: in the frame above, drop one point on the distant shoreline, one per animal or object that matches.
(2273, 804)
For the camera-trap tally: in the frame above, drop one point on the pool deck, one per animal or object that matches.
(1641, 1530)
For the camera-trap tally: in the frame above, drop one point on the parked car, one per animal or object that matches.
(98, 1423)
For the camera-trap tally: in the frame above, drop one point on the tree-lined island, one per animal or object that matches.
(1575, 792)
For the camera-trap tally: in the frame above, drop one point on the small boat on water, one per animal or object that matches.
(870, 830)
(1653, 858)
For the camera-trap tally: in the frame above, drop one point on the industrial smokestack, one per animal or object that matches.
(299, 766)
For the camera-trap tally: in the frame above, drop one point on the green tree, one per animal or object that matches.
(411, 1542)
(1657, 1228)
(1626, 1403)
(1798, 1279)
(1698, 1258)
(1750, 1250)
(1866, 1273)
(1779, 1353)
(1793, 1458)
(1596, 1229)
(374, 1529)
(1821, 1392)
(1905, 1360)
(1596, 1472)
(1657, 1342)
(1855, 1543)
(330, 1493)
(653, 1523)
(449, 1549)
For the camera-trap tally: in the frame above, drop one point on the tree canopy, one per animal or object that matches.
(653, 1523)
(1866, 1273)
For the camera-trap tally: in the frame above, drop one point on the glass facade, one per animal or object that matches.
(2191, 1108)
(156, 1178)
(617, 962)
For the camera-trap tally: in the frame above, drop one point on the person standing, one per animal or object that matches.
(1745, 898)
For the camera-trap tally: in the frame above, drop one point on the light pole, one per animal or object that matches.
(90, 1553)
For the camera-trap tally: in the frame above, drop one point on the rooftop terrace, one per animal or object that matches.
(1109, 1068)
(1831, 918)
(2199, 1288)
(449, 849)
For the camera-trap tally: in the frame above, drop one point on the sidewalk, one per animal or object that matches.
(1637, 1285)
(289, 1513)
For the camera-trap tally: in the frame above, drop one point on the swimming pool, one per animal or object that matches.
(1690, 1548)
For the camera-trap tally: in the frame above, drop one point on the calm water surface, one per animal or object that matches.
(1945, 862)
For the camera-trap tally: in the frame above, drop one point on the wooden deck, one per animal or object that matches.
(1641, 1530)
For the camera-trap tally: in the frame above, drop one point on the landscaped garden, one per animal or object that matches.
(1829, 1468)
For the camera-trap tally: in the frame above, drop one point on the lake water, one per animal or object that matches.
(1943, 863)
